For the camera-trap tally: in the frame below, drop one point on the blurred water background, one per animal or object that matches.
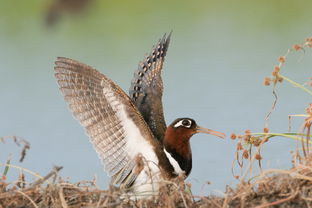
(220, 52)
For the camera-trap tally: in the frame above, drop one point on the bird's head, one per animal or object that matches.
(185, 128)
(177, 141)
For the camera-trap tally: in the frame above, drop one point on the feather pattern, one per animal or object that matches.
(147, 88)
(115, 127)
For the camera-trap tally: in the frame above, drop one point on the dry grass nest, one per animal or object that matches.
(273, 188)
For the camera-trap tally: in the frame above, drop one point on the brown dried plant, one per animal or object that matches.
(249, 144)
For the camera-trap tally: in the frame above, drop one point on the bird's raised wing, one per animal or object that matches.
(147, 88)
(115, 127)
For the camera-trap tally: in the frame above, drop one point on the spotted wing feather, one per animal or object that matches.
(115, 127)
(147, 88)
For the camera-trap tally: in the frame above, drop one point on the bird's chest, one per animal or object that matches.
(174, 163)
(180, 165)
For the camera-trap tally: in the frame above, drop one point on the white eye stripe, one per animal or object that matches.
(180, 123)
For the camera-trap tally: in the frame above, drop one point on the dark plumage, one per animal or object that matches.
(147, 88)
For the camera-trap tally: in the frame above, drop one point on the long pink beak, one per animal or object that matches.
(209, 131)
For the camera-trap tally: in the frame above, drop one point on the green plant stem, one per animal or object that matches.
(23, 169)
(296, 84)
(6, 169)
(288, 135)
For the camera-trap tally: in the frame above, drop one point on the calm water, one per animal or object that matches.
(218, 57)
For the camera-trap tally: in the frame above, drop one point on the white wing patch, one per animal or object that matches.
(174, 163)
(148, 179)
(135, 142)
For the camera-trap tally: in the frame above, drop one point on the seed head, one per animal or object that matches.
(233, 136)
(239, 146)
(265, 130)
(258, 157)
(245, 154)
(247, 138)
(276, 68)
(297, 47)
(281, 59)
(274, 73)
(309, 44)
(309, 39)
(256, 142)
(280, 79)
(266, 81)
(247, 132)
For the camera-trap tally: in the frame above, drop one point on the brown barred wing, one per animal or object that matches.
(115, 127)
(147, 88)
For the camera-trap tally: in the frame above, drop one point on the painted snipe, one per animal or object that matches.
(129, 133)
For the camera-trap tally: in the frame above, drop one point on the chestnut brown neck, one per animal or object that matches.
(178, 140)
(177, 143)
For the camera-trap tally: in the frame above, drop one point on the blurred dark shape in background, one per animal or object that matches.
(58, 8)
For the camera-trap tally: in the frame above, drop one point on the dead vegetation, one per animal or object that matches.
(273, 188)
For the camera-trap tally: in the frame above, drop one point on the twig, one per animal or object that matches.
(292, 173)
(278, 201)
(183, 199)
(296, 84)
(252, 158)
(25, 195)
(22, 169)
(306, 198)
(267, 117)
(18, 141)
(63, 202)
(225, 202)
(23, 152)
(287, 135)
(53, 172)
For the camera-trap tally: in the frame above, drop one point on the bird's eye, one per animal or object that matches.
(186, 123)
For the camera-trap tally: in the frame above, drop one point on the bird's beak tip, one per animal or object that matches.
(209, 131)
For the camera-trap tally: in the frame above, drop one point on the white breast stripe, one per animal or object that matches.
(174, 163)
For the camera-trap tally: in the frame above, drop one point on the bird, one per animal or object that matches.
(58, 8)
(128, 132)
